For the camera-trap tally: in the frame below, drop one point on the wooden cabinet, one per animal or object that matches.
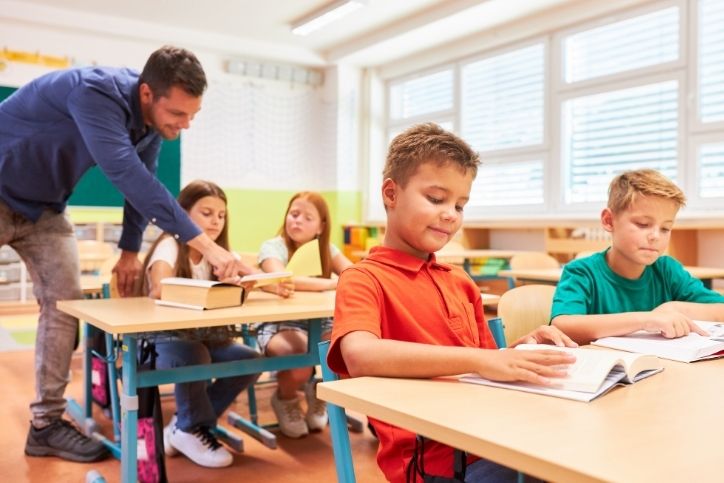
(561, 238)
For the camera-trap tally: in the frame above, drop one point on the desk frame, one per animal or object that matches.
(133, 380)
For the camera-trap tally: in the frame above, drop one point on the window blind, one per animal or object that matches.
(502, 100)
(630, 44)
(607, 133)
(422, 95)
(711, 60)
(711, 170)
(508, 183)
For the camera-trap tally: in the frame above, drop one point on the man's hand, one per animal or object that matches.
(225, 264)
(128, 273)
(546, 334)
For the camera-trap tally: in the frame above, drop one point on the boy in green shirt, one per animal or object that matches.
(631, 285)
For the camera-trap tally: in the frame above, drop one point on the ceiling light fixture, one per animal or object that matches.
(325, 15)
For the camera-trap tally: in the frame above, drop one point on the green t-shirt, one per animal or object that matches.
(589, 286)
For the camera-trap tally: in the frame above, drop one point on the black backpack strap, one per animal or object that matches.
(416, 466)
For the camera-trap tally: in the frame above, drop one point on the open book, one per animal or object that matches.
(690, 348)
(210, 294)
(306, 261)
(593, 373)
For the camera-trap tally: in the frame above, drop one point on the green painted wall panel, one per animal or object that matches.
(257, 215)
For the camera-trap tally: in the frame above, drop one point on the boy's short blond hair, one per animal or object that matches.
(424, 143)
(645, 182)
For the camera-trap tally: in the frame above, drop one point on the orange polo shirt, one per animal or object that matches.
(397, 296)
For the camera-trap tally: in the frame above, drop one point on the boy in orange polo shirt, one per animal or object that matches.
(400, 313)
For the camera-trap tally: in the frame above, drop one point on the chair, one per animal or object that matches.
(533, 260)
(337, 425)
(524, 308)
(92, 254)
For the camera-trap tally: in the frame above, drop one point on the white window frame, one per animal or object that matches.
(697, 126)
(696, 203)
(691, 132)
(560, 84)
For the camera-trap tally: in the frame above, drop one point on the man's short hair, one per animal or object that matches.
(625, 187)
(173, 66)
(425, 143)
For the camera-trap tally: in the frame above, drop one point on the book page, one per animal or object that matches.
(689, 348)
(609, 382)
(306, 262)
(589, 370)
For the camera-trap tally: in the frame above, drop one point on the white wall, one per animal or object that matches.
(251, 132)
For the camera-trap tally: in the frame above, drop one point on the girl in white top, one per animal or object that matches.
(200, 403)
(307, 217)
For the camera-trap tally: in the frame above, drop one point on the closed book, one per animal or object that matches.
(200, 294)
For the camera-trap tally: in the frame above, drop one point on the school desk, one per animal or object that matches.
(132, 318)
(553, 275)
(666, 428)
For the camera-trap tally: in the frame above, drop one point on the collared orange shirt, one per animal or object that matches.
(397, 296)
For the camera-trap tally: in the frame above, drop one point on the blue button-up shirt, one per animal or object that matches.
(55, 128)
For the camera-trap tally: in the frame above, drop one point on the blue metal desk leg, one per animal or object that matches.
(83, 415)
(129, 408)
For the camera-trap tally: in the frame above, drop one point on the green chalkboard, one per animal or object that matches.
(94, 189)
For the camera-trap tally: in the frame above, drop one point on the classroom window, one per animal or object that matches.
(711, 61)
(427, 94)
(580, 104)
(711, 170)
(630, 44)
(606, 133)
(502, 100)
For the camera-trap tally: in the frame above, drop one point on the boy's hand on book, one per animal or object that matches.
(546, 334)
(671, 324)
(536, 367)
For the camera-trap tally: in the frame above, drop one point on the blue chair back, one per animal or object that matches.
(337, 425)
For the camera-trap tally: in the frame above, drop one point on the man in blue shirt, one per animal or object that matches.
(52, 131)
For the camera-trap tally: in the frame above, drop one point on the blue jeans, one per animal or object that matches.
(485, 471)
(200, 403)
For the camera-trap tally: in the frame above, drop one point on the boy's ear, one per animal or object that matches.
(607, 219)
(389, 192)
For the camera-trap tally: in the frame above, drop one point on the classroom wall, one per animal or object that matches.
(261, 140)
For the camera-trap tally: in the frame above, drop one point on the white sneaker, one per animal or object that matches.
(289, 416)
(316, 416)
(168, 448)
(201, 447)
